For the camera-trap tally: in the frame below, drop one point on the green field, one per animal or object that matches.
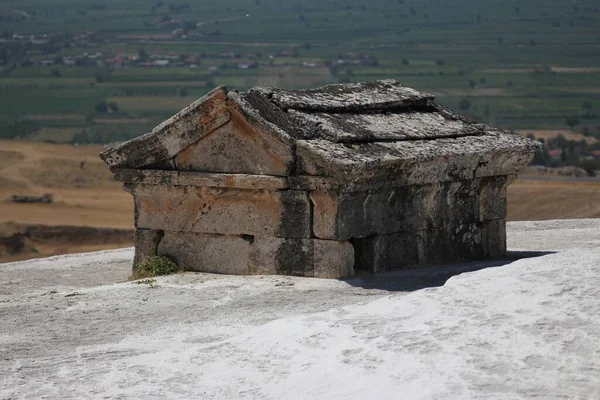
(517, 64)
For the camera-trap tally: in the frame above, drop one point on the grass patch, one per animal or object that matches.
(154, 266)
(150, 282)
(145, 282)
(74, 294)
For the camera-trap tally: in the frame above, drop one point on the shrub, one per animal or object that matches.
(114, 107)
(572, 120)
(154, 266)
(464, 104)
(100, 77)
(101, 107)
(182, 92)
(590, 166)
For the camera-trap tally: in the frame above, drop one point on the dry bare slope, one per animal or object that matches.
(84, 194)
(83, 188)
(531, 200)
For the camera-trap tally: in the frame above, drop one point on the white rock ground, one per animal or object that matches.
(528, 328)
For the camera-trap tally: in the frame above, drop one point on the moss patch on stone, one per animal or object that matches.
(154, 266)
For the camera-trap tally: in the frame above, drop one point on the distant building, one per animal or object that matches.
(555, 154)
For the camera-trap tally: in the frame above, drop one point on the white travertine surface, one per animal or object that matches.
(71, 327)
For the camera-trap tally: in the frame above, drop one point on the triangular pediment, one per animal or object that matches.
(237, 147)
(173, 135)
(220, 133)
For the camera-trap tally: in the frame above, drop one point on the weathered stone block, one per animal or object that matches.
(333, 259)
(503, 162)
(428, 247)
(345, 215)
(264, 255)
(492, 198)
(237, 148)
(223, 254)
(326, 214)
(302, 257)
(449, 244)
(189, 178)
(146, 244)
(494, 238)
(226, 211)
(387, 252)
(282, 256)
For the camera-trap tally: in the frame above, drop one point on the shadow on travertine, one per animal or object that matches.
(415, 279)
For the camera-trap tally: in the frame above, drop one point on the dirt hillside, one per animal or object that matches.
(83, 190)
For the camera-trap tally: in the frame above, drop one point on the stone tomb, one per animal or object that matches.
(319, 182)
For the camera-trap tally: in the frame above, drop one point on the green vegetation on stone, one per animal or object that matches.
(154, 266)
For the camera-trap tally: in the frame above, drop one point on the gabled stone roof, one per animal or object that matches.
(353, 131)
(359, 112)
(348, 97)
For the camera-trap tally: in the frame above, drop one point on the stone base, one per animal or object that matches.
(146, 244)
(244, 254)
(265, 255)
(431, 247)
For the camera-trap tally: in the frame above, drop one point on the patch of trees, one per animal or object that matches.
(143, 55)
(100, 77)
(97, 6)
(17, 129)
(104, 75)
(104, 107)
(178, 7)
(572, 120)
(3, 56)
(573, 153)
(464, 104)
(80, 138)
(182, 91)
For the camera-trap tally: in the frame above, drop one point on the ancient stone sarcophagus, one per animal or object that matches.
(319, 182)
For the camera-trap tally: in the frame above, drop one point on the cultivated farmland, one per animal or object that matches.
(511, 63)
